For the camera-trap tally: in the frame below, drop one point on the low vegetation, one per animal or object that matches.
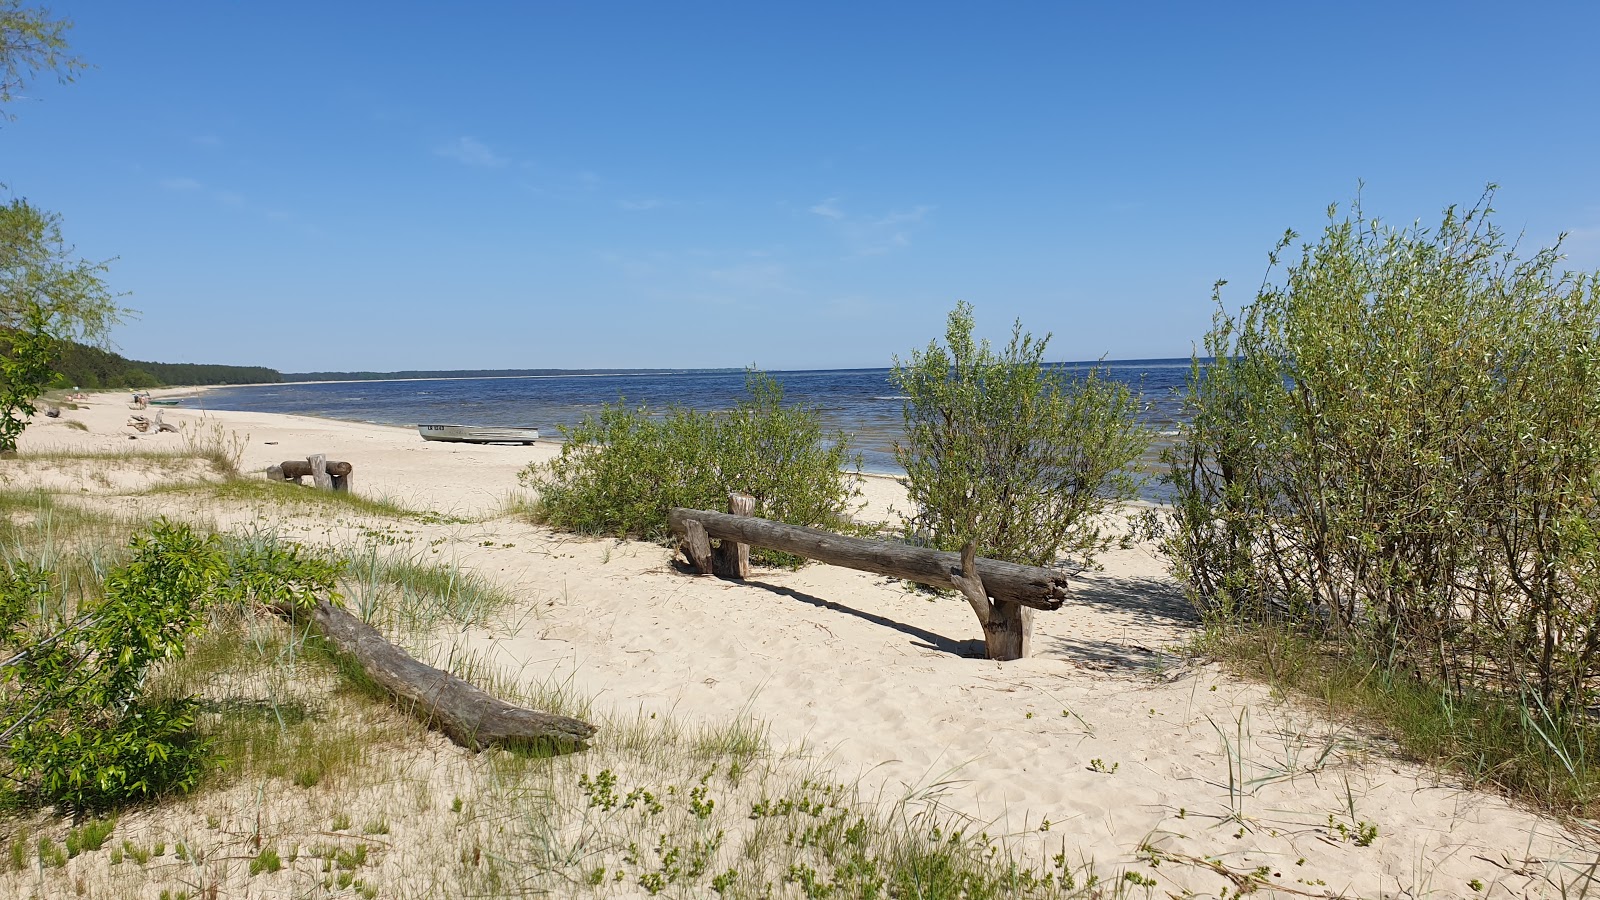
(275, 766)
(79, 728)
(621, 470)
(1393, 469)
(1002, 450)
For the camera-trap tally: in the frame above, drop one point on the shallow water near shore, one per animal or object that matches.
(862, 403)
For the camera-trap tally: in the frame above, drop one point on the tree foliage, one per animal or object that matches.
(46, 296)
(1400, 444)
(1003, 450)
(31, 42)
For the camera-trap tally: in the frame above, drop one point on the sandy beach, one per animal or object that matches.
(1109, 743)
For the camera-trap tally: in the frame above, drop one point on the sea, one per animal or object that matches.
(862, 403)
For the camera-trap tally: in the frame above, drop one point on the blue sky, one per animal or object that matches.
(504, 185)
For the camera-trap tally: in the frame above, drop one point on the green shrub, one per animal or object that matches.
(621, 470)
(78, 729)
(77, 726)
(999, 449)
(1399, 447)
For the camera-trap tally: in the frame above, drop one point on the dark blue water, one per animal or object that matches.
(860, 402)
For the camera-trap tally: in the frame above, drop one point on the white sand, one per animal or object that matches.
(1115, 741)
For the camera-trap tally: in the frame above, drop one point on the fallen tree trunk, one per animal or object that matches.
(1006, 582)
(461, 711)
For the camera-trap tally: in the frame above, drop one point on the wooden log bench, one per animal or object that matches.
(1002, 594)
(327, 474)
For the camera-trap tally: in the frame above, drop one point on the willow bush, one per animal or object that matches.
(1398, 446)
(621, 470)
(1003, 450)
(79, 726)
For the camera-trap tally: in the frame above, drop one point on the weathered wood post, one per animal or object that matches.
(328, 474)
(697, 546)
(319, 471)
(732, 559)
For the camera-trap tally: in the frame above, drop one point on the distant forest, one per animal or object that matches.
(480, 373)
(90, 367)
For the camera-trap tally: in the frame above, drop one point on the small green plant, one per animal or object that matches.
(1099, 765)
(601, 789)
(351, 859)
(51, 854)
(1139, 880)
(1361, 833)
(265, 861)
(140, 855)
(89, 837)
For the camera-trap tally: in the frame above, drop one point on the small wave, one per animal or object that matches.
(895, 397)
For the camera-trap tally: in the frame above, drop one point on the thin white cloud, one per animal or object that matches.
(472, 152)
(643, 205)
(180, 184)
(873, 235)
(904, 217)
(829, 209)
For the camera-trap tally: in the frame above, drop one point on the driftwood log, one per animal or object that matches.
(455, 707)
(1002, 594)
(334, 474)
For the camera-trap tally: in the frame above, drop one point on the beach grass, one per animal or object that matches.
(1506, 742)
(292, 498)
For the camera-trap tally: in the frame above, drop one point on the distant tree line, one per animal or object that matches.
(84, 366)
(485, 373)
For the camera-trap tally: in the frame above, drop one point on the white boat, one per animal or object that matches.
(479, 434)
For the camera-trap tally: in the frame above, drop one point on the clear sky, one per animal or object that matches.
(363, 185)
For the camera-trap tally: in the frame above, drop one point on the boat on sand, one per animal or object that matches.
(479, 434)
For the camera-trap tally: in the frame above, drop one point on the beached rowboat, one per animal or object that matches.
(478, 434)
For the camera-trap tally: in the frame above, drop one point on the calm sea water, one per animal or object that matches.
(861, 402)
